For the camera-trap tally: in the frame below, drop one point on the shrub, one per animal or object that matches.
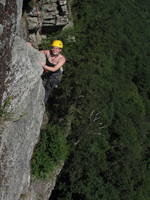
(51, 150)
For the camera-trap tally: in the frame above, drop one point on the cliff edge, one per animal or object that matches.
(22, 89)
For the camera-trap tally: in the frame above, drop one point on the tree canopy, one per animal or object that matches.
(106, 78)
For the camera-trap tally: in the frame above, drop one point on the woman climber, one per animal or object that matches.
(53, 67)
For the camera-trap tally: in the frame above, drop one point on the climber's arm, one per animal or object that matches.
(44, 52)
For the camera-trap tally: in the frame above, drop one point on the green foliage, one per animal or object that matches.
(31, 4)
(107, 73)
(67, 36)
(51, 150)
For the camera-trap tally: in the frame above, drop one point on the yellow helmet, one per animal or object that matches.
(57, 43)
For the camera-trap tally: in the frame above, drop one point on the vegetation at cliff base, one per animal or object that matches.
(106, 78)
(51, 150)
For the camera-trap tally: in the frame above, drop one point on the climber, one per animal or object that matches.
(53, 67)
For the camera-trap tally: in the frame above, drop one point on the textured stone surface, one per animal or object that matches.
(1, 29)
(24, 72)
(21, 82)
(32, 23)
(3, 2)
(41, 189)
(59, 12)
(45, 17)
(52, 13)
(20, 78)
(8, 18)
(20, 133)
(19, 15)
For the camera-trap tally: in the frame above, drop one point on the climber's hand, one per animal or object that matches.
(29, 43)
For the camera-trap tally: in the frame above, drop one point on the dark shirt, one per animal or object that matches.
(48, 63)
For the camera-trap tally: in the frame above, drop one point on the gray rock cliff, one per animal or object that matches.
(20, 131)
(44, 18)
(21, 83)
(21, 86)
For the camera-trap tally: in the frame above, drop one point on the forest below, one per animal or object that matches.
(103, 102)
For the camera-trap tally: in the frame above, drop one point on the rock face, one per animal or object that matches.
(48, 13)
(20, 132)
(21, 83)
(55, 13)
(45, 17)
(21, 86)
(41, 189)
(7, 26)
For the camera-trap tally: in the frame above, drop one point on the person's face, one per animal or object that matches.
(56, 50)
